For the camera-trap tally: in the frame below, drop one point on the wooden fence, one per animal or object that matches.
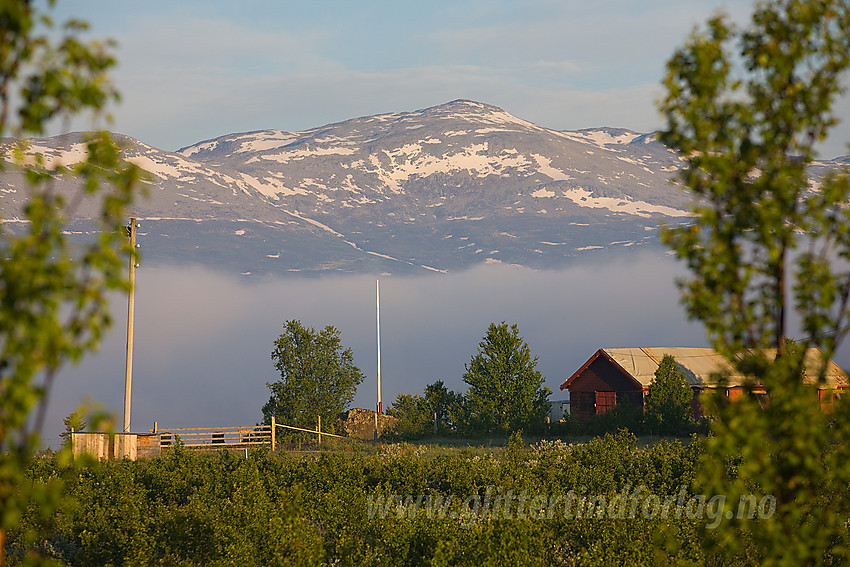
(318, 431)
(233, 437)
(216, 437)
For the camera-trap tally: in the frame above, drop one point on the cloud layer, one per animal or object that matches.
(203, 339)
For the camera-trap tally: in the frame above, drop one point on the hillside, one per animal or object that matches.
(441, 189)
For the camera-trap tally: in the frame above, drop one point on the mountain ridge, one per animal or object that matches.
(436, 189)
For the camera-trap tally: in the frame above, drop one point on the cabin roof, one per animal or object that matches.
(702, 366)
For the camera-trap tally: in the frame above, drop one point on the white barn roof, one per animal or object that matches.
(701, 365)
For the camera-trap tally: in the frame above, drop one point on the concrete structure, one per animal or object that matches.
(109, 446)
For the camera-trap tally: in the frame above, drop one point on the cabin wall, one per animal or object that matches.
(696, 407)
(601, 376)
(826, 398)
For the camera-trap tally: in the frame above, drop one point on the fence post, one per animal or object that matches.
(319, 431)
(274, 428)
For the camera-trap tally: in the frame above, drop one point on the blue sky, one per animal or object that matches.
(193, 70)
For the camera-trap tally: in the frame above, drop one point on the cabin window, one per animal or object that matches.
(605, 401)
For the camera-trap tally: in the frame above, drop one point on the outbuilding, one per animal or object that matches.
(619, 376)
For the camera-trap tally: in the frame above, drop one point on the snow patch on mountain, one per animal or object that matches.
(266, 141)
(192, 150)
(603, 138)
(52, 157)
(300, 154)
(161, 168)
(544, 166)
(409, 161)
(476, 112)
(270, 187)
(585, 198)
(543, 193)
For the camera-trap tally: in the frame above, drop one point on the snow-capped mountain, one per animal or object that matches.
(436, 189)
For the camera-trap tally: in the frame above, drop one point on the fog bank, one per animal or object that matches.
(203, 339)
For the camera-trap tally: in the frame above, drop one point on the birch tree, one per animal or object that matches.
(53, 295)
(745, 108)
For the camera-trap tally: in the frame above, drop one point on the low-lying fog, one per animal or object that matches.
(203, 339)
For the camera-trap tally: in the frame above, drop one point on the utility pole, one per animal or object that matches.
(128, 377)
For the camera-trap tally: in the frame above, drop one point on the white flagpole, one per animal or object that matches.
(128, 375)
(378, 326)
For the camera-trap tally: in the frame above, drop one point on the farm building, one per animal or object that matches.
(617, 376)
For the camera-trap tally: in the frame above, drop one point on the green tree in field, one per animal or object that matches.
(442, 403)
(53, 296)
(429, 414)
(506, 390)
(745, 109)
(414, 416)
(318, 377)
(668, 402)
(76, 421)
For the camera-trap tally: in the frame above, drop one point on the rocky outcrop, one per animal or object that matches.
(360, 423)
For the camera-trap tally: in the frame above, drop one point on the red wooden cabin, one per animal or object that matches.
(617, 376)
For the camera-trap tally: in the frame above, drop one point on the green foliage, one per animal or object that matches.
(792, 451)
(215, 509)
(668, 402)
(745, 108)
(53, 298)
(622, 416)
(182, 510)
(431, 414)
(76, 421)
(506, 391)
(746, 141)
(443, 403)
(413, 414)
(318, 377)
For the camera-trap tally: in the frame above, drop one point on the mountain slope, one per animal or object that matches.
(462, 156)
(440, 189)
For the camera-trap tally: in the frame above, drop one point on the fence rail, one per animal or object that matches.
(237, 436)
(217, 436)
